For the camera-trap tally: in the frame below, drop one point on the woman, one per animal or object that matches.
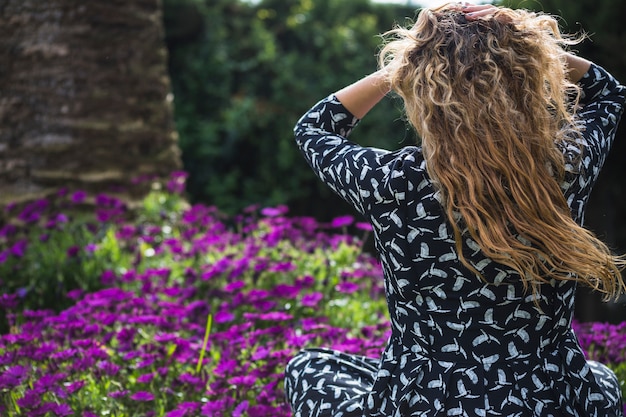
(479, 228)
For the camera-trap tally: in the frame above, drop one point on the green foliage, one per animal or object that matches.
(190, 309)
(56, 261)
(242, 75)
(61, 247)
(620, 373)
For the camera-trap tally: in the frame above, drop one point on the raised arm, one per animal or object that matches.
(361, 96)
(577, 66)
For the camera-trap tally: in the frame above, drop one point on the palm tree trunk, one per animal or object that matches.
(85, 99)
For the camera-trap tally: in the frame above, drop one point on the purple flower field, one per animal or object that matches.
(182, 311)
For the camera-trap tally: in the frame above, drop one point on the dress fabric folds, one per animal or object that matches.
(459, 346)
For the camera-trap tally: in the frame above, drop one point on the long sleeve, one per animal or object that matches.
(601, 107)
(362, 176)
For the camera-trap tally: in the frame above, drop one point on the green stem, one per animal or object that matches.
(205, 342)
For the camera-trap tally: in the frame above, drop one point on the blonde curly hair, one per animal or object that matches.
(490, 99)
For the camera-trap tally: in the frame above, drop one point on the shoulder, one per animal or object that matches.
(407, 157)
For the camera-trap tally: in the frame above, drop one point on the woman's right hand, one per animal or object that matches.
(476, 11)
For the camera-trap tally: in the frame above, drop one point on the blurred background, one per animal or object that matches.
(99, 95)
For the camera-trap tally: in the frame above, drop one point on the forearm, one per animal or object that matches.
(577, 67)
(360, 97)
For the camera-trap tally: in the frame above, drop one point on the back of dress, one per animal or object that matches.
(460, 345)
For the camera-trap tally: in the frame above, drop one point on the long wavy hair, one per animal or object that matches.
(491, 99)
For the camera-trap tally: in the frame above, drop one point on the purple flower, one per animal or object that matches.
(364, 226)
(31, 399)
(145, 378)
(19, 248)
(48, 382)
(118, 394)
(62, 410)
(8, 301)
(215, 408)
(242, 380)
(176, 184)
(185, 409)
(79, 196)
(108, 368)
(75, 294)
(342, 221)
(275, 316)
(264, 305)
(146, 362)
(105, 216)
(282, 267)
(36, 314)
(13, 376)
(190, 379)
(8, 230)
(240, 266)
(107, 277)
(216, 269)
(126, 334)
(306, 281)
(104, 200)
(73, 387)
(165, 337)
(234, 286)
(238, 411)
(91, 247)
(225, 367)
(64, 355)
(58, 219)
(126, 232)
(43, 352)
(258, 294)
(312, 299)
(10, 207)
(347, 287)
(260, 353)
(274, 211)
(72, 251)
(32, 211)
(223, 316)
(131, 355)
(286, 291)
(142, 396)
(261, 410)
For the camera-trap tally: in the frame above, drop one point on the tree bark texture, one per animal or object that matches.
(85, 99)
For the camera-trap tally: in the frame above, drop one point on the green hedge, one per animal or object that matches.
(243, 74)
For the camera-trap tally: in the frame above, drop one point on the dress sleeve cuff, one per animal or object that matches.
(595, 83)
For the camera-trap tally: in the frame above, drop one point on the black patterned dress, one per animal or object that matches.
(459, 347)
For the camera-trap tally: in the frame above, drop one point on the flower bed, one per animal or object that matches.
(181, 311)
